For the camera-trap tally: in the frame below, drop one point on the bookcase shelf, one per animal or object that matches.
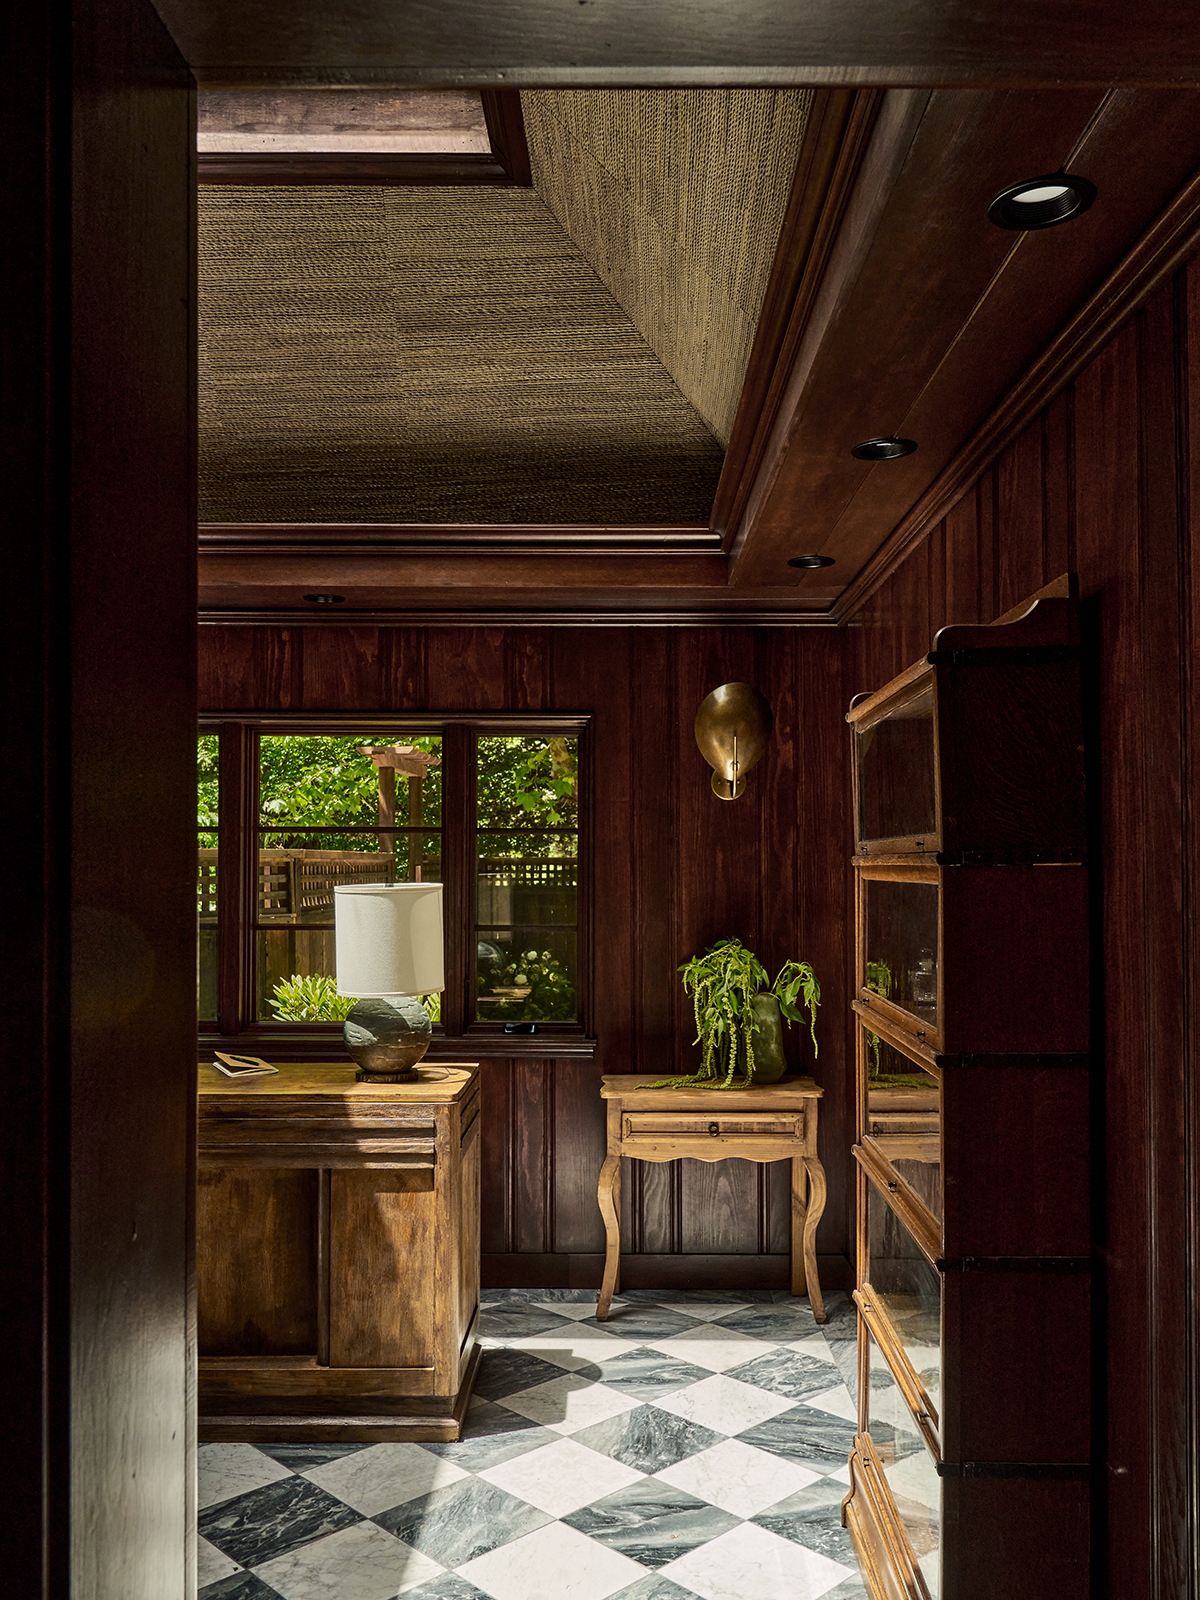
(970, 1474)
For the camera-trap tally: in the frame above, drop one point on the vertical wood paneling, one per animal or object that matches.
(1164, 963)
(1189, 682)
(341, 670)
(403, 669)
(824, 901)
(249, 669)
(655, 710)
(531, 1155)
(495, 1155)
(592, 672)
(1107, 534)
(1019, 503)
(721, 894)
(465, 669)
(526, 669)
(962, 563)
(1058, 504)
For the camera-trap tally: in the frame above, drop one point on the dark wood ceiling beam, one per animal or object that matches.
(929, 315)
(646, 43)
(509, 538)
(839, 125)
(1172, 239)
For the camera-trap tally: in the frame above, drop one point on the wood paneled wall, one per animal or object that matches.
(98, 941)
(675, 868)
(1105, 483)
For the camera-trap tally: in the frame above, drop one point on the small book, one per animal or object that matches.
(241, 1066)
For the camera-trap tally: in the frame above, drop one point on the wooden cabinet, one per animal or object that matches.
(337, 1254)
(970, 1475)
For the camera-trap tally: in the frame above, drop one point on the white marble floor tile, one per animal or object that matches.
(835, 1401)
(815, 1347)
(842, 1475)
(705, 1310)
(569, 1403)
(575, 1349)
(211, 1563)
(738, 1478)
(225, 1470)
(724, 1404)
(383, 1476)
(577, 1309)
(553, 1563)
(749, 1560)
(358, 1563)
(559, 1478)
(712, 1346)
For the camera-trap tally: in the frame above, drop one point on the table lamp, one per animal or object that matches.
(388, 940)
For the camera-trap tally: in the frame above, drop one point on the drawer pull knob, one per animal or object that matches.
(714, 1129)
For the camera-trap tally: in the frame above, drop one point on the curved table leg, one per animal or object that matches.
(609, 1196)
(816, 1205)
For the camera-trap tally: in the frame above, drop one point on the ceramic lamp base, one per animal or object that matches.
(386, 1038)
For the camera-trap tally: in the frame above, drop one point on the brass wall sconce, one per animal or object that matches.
(733, 725)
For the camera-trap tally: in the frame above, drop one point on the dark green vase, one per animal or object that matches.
(769, 1062)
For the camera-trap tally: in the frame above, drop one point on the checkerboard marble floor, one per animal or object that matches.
(694, 1445)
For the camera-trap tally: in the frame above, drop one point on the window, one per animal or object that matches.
(490, 809)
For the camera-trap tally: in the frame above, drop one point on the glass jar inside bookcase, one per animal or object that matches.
(901, 945)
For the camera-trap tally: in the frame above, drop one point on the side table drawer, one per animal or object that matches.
(658, 1125)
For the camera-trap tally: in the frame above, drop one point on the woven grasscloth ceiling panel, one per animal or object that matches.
(427, 355)
(676, 197)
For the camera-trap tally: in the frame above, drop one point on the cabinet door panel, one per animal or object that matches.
(256, 1261)
(468, 1266)
(381, 1307)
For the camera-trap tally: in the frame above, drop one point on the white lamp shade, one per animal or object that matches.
(388, 939)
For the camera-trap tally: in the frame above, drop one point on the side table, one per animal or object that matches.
(766, 1122)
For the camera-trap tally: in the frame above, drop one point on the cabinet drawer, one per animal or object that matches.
(660, 1125)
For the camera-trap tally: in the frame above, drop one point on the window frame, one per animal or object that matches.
(238, 826)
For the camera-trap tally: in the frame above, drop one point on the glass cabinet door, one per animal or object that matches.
(895, 759)
(903, 1117)
(908, 1468)
(901, 945)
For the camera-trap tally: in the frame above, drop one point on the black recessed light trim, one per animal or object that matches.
(1042, 202)
(810, 561)
(325, 599)
(890, 449)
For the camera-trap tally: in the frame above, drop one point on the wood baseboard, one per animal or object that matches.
(339, 1418)
(563, 1271)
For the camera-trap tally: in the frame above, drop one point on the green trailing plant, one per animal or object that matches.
(723, 983)
(313, 997)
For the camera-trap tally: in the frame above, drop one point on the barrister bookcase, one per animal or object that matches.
(970, 1474)
(337, 1254)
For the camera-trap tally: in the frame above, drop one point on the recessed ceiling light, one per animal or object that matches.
(883, 449)
(811, 561)
(325, 599)
(1042, 202)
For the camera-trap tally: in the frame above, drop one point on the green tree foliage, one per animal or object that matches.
(324, 781)
(206, 789)
(529, 782)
